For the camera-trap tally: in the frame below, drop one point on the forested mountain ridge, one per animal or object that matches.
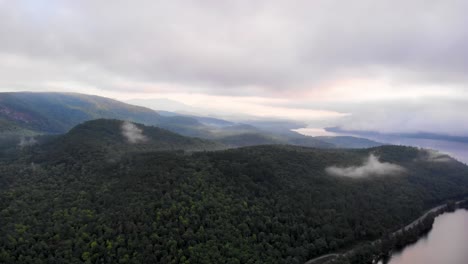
(59, 112)
(150, 204)
(109, 139)
(27, 114)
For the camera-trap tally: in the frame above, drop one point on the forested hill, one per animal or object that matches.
(63, 201)
(33, 113)
(27, 115)
(109, 139)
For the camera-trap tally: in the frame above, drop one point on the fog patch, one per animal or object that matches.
(132, 133)
(436, 156)
(371, 167)
(26, 142)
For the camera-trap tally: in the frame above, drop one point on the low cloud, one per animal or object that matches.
(26, 142)
(436, 156)
(371, 167)
(132, 133)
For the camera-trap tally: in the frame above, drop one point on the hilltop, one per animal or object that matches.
(111, 138)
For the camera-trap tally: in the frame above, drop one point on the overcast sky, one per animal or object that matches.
(394, 66)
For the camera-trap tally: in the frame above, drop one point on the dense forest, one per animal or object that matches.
(89, 196)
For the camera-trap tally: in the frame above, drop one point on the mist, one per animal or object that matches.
(436, 156)
(26, 142)
(132, 133)
(371, 167)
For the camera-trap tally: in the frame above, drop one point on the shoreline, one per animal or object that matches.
(414, 223)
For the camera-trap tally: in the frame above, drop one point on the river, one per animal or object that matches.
(446, 243)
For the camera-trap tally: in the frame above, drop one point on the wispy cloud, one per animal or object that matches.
(132, 133)
(371, 167)
(26, 142)
(436, 156)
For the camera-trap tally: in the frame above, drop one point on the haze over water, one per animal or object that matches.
(458, 150)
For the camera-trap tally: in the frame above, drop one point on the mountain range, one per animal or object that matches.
(25, 114)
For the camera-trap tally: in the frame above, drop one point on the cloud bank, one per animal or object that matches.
(371, 167)
(232, 47)
(132, 133)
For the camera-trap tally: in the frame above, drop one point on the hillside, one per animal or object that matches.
(349, 142)
(59, 112)
(110, 138)
(250, 139)
(26, 114)
(261, 204)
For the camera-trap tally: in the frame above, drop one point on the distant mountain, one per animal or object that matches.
(250, 139)
(255, 132)
(216, 122)
(59, 112)
(26, 114)
(164, 104)
(209, 121)
(281, 127)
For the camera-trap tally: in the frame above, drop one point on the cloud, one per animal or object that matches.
(371, 167)
(437, 115)
(436, 156)
(26, 142)
(441, 114)
(240, 47)
(132, 133)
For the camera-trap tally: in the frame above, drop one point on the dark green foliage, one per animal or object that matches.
(103, 139)
(73, 200)
(349, 142)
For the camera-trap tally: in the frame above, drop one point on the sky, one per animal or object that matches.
(389, 66)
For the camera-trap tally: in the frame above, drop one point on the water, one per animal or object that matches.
(458, 150)
(446, 243)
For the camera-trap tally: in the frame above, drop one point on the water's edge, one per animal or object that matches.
(375, 251)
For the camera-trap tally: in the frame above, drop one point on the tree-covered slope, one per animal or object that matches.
(109, 139)
(59, 112)
(349, 141)
(263, 204)
(250, 139)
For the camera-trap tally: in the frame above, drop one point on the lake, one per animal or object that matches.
(446, 243)
(458, 150)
